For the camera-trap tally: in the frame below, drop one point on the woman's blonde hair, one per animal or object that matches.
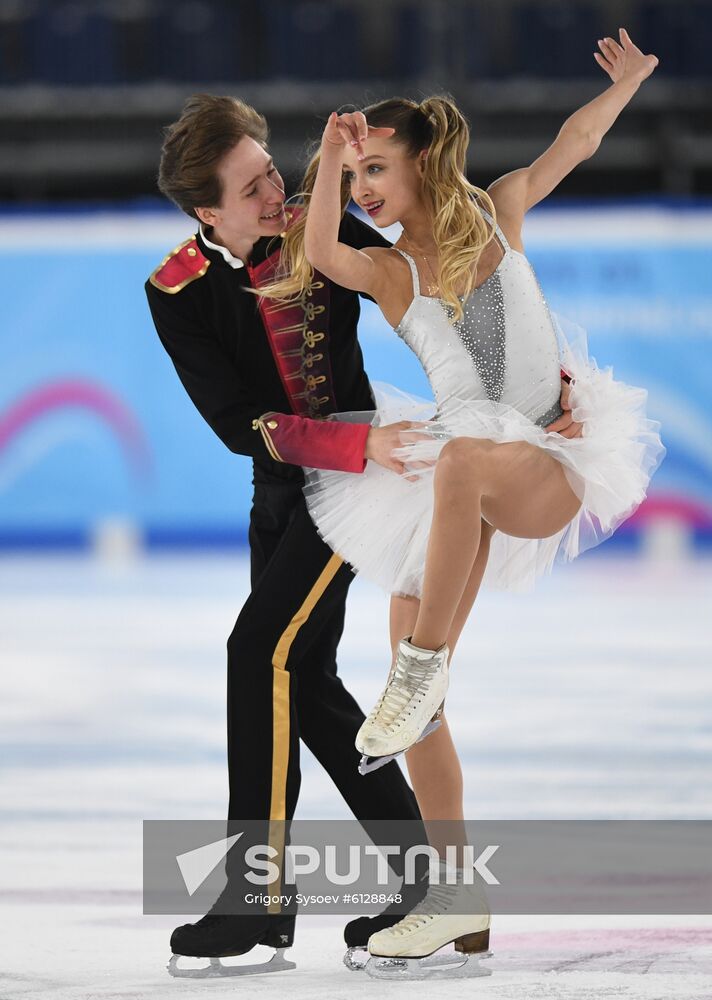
(460, 231)
(295, 273)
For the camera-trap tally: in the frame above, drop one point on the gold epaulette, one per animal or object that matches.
(182, 265)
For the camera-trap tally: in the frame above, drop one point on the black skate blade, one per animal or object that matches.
(216, 969)
(369, 764)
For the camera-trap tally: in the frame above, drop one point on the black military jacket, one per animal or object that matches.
(266, 378)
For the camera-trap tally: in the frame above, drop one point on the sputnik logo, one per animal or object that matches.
(195, 866)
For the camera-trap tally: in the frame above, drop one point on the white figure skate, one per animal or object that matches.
(450, 914)
(409, 707)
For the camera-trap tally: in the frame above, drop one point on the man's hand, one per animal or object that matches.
(383, 441)
(565, 425)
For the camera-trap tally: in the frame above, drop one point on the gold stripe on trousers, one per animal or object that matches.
(280, 715)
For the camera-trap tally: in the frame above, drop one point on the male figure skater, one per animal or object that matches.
(264, 380)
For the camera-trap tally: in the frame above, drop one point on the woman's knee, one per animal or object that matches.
(464, 456)
(462, 448)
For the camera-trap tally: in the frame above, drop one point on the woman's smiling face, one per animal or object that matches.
(387, 184)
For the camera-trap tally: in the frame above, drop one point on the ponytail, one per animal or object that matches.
(460, 231)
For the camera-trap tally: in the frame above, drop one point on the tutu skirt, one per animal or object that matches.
(379, 521)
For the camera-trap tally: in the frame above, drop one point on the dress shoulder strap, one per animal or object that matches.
(497, 229)
(413, 270)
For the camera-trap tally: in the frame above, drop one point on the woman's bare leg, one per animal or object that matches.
(518, 487)
(473, 478)
(433, 765)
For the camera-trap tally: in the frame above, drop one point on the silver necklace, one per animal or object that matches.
(434, 288)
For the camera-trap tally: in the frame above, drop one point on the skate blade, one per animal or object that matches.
(449, 965)
(355, 959)
(216, 969)
(369, 764)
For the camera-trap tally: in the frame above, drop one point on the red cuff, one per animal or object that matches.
(319, 444)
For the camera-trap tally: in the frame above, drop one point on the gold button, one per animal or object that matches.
(272, 424)
(192, 252)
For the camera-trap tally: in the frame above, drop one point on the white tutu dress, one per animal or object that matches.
(494, 375)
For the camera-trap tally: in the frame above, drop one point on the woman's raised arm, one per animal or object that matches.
(346, 266)
(581, 133)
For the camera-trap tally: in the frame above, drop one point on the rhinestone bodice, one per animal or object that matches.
(504, 349)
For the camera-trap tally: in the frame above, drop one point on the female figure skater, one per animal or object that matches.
(482, 485)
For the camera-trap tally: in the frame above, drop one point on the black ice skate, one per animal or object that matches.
(358, 931)
(217, 936)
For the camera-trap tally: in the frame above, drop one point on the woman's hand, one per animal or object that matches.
(624, 61)
(565, 424)
(351, 130)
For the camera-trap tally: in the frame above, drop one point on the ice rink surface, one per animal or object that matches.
(589, 699)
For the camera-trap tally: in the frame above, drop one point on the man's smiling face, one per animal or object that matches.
(252, 203)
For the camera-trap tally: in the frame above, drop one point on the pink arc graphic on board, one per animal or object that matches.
(86, 395)
(674, 506)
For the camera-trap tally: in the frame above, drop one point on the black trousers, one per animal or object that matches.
(283, 685)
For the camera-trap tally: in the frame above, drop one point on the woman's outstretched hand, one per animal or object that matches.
(351, 129)
(624, 61)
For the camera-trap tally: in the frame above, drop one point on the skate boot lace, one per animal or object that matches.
(436, 902)
(406, 686)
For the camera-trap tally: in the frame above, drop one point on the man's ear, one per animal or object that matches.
(207, 216)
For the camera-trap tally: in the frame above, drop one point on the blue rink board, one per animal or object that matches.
(95, 425)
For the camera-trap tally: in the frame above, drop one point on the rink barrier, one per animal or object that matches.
(92, 419)
(657, 540)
